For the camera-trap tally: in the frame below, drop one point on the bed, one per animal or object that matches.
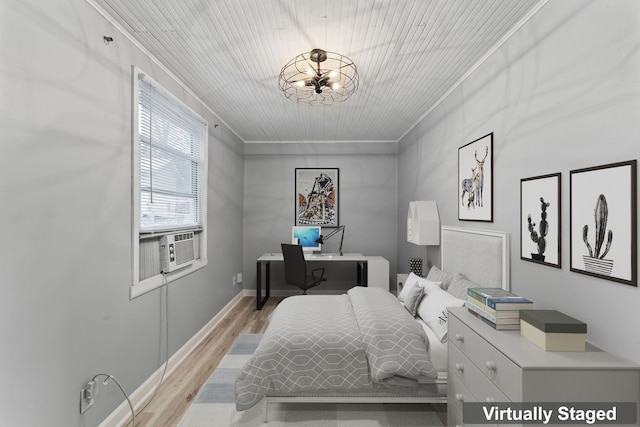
(369, 346)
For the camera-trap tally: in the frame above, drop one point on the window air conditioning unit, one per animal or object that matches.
(177, 251)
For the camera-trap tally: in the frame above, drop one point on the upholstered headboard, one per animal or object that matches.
(481, 255)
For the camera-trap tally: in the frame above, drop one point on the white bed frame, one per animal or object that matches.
(482, 256)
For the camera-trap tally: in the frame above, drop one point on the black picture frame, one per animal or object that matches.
(541, 219)
(605, 198)
(475, 180)
(317, 197)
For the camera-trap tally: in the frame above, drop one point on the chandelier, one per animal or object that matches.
(319, 78)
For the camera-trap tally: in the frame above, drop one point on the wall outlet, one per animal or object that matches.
(237, 279)
(88, 396)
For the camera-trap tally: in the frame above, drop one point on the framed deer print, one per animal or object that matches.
(475, 180)
(603, 223)
(540, 224)
(316, 197)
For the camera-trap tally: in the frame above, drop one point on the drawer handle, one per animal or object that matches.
(460, 337)
(460, 367)
(459, 397)
(491, 365)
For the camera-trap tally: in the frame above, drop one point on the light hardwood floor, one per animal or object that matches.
(180, 388)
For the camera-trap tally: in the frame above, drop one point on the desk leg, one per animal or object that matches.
(267, 284)
(362, 274)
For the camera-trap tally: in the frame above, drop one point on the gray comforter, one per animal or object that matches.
(335, 342)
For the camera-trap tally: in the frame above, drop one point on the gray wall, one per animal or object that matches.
(368, 200)
(561, 94)
(65, 313)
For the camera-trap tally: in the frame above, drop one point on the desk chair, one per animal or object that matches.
(295, 269)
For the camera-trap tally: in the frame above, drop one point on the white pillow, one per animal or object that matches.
(433, 310)
(429, 285)
(413, 298)
(413, 280)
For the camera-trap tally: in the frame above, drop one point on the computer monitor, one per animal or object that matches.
(306, 237)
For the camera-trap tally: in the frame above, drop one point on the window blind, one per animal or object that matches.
(172, 149)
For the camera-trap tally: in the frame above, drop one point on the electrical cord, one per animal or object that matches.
(111, 377)
(165, 285)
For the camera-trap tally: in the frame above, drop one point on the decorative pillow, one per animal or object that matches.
(459, 285)
(411, 281)
(413, 298)
(429, 285)
(433, 310)
(437, 275)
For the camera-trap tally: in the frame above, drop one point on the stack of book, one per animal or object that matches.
(497, 307)
(552, 330)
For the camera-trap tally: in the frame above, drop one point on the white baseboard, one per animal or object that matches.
(122, 414)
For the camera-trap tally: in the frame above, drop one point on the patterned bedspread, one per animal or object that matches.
(396, 345)
(334, 342)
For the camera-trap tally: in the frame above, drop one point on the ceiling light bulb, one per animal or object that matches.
(299, 83)
(333, 73)
(335, 86)
(310, 71)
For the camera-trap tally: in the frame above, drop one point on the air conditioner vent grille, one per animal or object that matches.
(178, 251)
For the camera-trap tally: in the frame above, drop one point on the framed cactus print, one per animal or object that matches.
(603, 223)
(540, 220)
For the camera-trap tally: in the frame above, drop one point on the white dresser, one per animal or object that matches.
(486, 365)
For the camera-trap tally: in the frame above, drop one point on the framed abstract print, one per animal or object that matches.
(604, 222)
(475, 180)
(540, 220)
(317, 200)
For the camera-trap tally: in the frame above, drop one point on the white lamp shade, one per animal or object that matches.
(423, 223)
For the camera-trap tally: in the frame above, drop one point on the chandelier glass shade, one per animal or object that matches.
(319, 78)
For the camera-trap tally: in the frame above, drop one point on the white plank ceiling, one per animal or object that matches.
(409, 54)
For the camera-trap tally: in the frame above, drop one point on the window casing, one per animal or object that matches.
(170, 144)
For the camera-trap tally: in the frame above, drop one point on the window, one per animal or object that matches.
(170, 175)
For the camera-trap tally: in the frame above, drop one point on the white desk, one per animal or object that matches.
(371, 270)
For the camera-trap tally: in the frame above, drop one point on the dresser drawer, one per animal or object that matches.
(495, 366)
(482, 389)
(454, 418)
(458, 394)
(455, 396)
